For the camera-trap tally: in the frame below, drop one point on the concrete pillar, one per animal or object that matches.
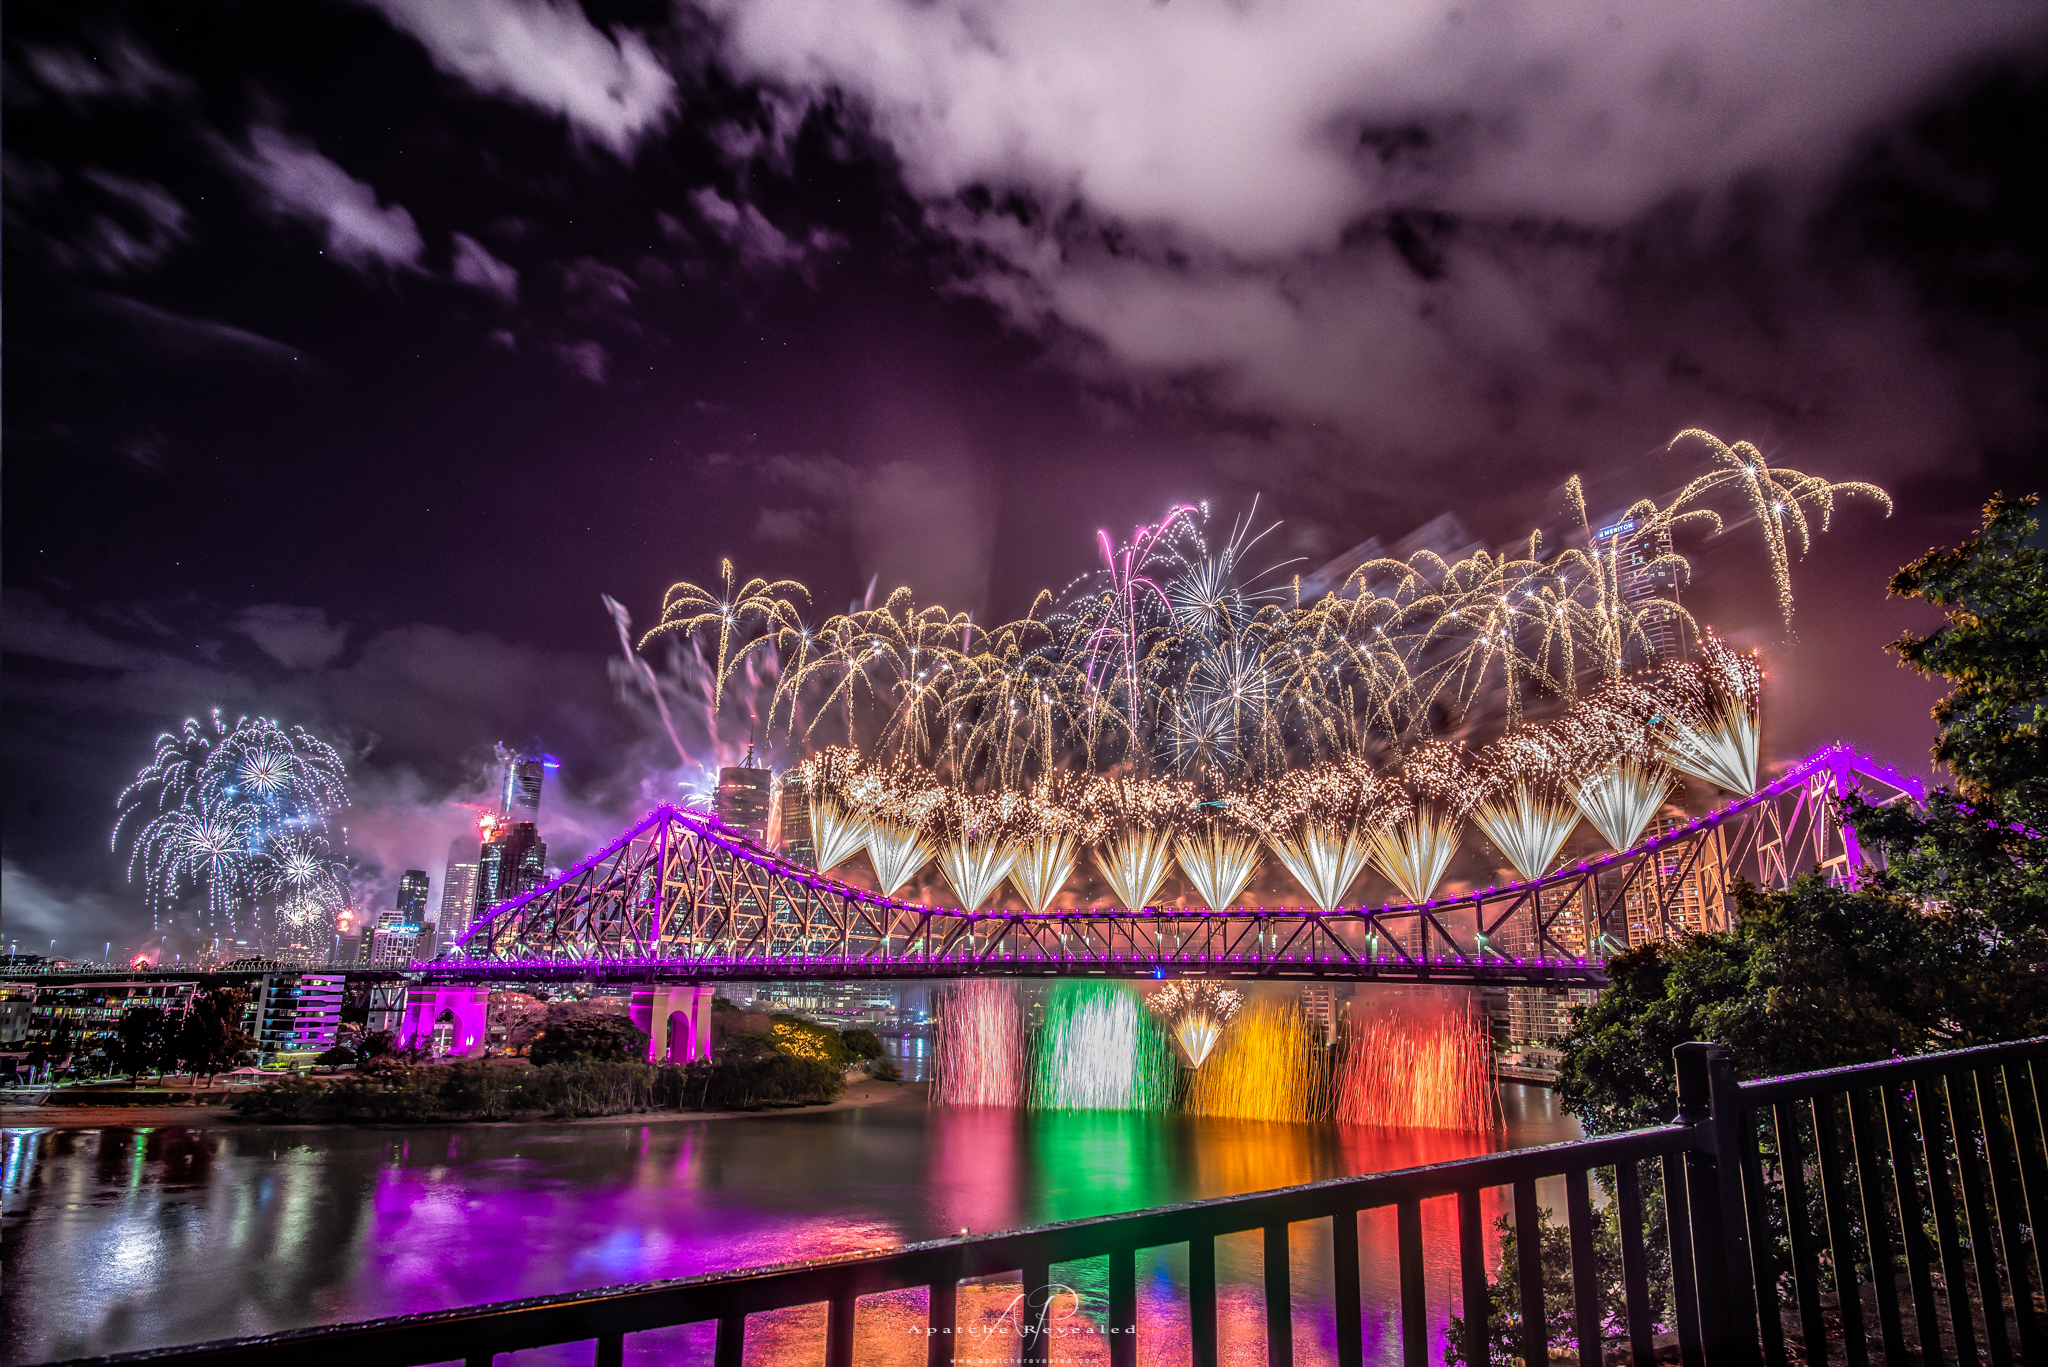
(469, 1005)
(677, 1019)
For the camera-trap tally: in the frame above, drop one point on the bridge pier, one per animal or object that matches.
(677, 1019)
(465, 1008)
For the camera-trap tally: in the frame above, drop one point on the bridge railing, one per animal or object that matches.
(1789, 1181)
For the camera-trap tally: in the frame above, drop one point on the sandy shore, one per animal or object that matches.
(858, 1096)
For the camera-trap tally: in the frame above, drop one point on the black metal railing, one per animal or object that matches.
(1926, 1170)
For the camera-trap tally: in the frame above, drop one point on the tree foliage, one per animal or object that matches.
(602, 1039)
(212, 1039)
(862, 1043)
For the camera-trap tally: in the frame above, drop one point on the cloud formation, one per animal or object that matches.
(293, 180)
(476, 267)
(610, 87)
(1434, 228)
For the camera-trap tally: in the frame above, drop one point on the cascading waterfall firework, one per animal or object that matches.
(897, 853)
(1413, 855)
(1098, 1050)
(1433, 1072)
(1196, 1011)
(1712, 732)
(1135, 863)
(838, 834)
(1042, 868)
(1529, 826)
(1219, 862)
(1320, 823)
(1267, 1068)
(975, 868)
(978, 1050)
(1620, 800)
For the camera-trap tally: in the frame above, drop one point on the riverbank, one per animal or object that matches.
(857, 1096)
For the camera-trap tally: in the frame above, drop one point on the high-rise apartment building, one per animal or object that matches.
(412, 896)
(1319, 1010)
(514, 859)
(394, 941)
(746, 800)
(458, 891)
(297, 1013)
(1646, 577)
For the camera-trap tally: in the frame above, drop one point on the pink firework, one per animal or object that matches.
(978, 1052)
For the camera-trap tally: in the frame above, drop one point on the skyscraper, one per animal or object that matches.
(793, 804)
(519, 798)
(458, 891)
(746, 799)
(412, 896)
(1647, 577)
(514, 859)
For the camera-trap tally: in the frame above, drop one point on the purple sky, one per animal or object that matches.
(356, 350)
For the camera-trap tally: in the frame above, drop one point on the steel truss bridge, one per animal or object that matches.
(680, 896)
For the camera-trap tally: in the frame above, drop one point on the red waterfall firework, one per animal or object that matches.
(978, 1054)
(1426, 1072)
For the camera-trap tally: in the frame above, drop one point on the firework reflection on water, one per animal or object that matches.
(977, 1049)
(1422, 1068)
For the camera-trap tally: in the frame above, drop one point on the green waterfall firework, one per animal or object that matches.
(1100, 1050)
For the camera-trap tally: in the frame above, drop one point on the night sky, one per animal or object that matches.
(354, 351)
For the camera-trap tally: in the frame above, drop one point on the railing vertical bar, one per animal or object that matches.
(1877, 1230)
(1414, 1303)
(730, 1344)
(941, 1319)
(1037, 1276)
(1529, 1273)
(2026, 1123)
(839, 1332)
(1834, 1193)
(1578, 1205)
(1202, 1299)
(1344, 1268)
(1962, 1112)
(1635, 1266)
(1678, 1225)
(1756, 1198)
(1930, 1101)
(1279, 1298)
(1475, 1297)
(1123, 1307)
(611, 1351)
(1906, 1186)
(2002, 1158)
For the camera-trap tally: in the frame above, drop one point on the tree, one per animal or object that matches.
(143, 1041)
(601, 1038)
(212, 1039)
(861, 1043)
(800, 1038)
(335, 1058)
(374, 1043)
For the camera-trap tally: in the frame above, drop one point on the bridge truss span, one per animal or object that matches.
(681, 896)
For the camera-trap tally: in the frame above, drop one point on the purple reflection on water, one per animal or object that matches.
(122, 1239)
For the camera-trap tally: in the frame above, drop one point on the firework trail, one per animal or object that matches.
(1196, 1011)
(1432, 1072)
(1267, 1068)
(977, 1055)
(1713, 729)
(1098, 1050)
(1525, 806)
(1137, 817)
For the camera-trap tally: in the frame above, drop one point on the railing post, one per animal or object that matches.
(1709, 1102)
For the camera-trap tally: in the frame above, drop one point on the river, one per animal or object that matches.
(133, 1238)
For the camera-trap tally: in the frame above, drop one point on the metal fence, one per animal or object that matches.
(1771, 1215)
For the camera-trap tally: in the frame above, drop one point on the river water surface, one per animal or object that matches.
(133, 1238)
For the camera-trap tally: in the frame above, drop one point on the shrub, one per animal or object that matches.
(604, 1039)
(862, 1043)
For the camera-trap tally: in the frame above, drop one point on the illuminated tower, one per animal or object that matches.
(458, 891)
(519, 799)
(513, 860)
(746, 799)
(793, 807)
(412, 897)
